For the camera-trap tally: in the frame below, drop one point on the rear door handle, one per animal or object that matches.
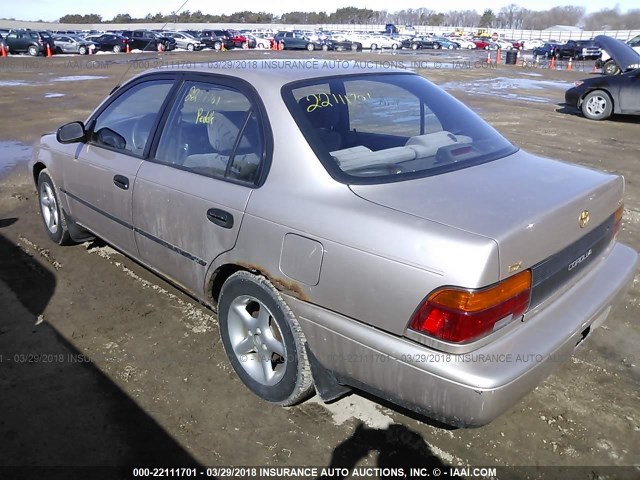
(121, 181)
(220, 217)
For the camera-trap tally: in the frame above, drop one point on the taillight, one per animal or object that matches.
(617, 220)
(459, 316)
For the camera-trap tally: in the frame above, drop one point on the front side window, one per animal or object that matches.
(126, 123)
(213, 130)
(376, 128)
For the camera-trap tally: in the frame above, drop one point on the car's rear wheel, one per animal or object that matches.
(52, 215)
(394, 46)
(374, 46)
(263, 340)
(597, 105)
(414, 46)
(610, 68)
(33, 51)
(82, 50)
(117, 49)
(311, 47)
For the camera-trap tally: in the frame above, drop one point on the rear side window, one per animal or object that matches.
(125, 124)
(213, 130)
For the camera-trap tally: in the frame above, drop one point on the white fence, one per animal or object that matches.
(559, 35)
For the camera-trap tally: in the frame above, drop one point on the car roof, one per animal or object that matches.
(282, 71)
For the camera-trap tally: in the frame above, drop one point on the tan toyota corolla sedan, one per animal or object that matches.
(353, 228)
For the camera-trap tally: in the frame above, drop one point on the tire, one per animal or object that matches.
(254, 318)
(33, 50)
(311, 47)
(597, 105)
(82, 50)
(374, 46)
(325, 48)
(414, 46)
(117, 49)
(190, 47)
(394, 46)
(53, 217)
(610, 68)
(450, 47)
(217, 46)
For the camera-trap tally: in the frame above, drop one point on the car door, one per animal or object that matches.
(630, 92)
(98, 181)
(189, 201)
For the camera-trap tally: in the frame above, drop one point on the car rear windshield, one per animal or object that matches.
(377, 128)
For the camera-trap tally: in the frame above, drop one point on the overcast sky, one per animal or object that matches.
(50, 10)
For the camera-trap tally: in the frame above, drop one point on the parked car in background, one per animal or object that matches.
(109, 42)
(416, 43)
(302, 194)
(464, 43)
(579, 50)
(600, 97)
(547, 50)
(33, 42)
(225, 36)
(240, 40)
(446, 43)
(481, 43)
(186, 41)
(144, 40)
(608, 64)
(73, 44)
(298, 41)
(258, 41)
(211, 40)
(500, 44)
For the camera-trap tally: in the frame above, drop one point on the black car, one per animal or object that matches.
(144, 40)
(212, 40)
(110, 42)
(578, 49)
(548, 50)
(421, 42)
(225, 36)
(32, 42)
(600, 97)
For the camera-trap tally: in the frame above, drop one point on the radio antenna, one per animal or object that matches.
(131, 62)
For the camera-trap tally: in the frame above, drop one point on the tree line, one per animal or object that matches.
(509, 17)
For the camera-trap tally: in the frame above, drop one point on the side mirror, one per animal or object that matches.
(71, 133)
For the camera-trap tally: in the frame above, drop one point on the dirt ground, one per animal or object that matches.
(104, 363)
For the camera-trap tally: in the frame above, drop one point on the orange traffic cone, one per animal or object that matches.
(498, 56)
(552, 65)
(488, 57)
(128, 50)
(3, 52)
(48, 51)
(570, 66)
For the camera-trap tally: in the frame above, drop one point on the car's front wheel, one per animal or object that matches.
(597, 105)
(217, 46)
(414, 46)
(33, 51)
(374, 46)
(50, 211)
(394, 46)
(117, 49)
(82, 50)
(263, 340)
(311, 47)
(190, 47)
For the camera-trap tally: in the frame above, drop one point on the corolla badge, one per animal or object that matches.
(583, 218)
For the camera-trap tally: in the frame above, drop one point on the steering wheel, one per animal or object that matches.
(141, 131)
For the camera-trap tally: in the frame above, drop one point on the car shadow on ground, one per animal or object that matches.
(58, 408)
(396, 447)
(569, 110)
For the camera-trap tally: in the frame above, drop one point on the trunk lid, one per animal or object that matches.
(531, 206)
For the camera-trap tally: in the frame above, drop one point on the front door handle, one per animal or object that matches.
(220, 217)
(121, 181)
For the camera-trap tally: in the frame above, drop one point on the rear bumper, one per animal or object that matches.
(469, 390)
